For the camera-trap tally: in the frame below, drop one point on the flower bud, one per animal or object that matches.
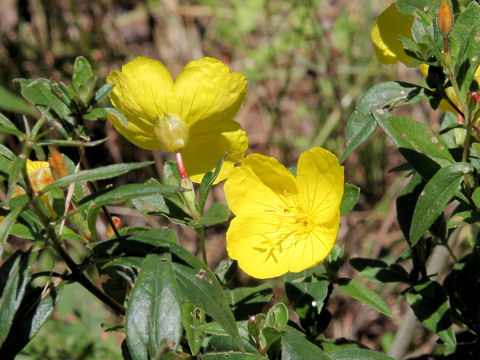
(188, 196)
(445, 18)
(58, 167)
(172, 132)
(117, 222)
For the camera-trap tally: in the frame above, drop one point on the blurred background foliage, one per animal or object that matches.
(307, 62)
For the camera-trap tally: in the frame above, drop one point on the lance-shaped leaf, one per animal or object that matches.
(35, 309)
(14, 277)
(295, 346)
(197, 283)
(357, 354)
(413, 135)
(351, 194)
(11, 102)
(154, 313)
(104, 172)
(361, 125)
(438, 192)
(431, 306)
(40, 92)
(120, 194)
(364, 294)
(465, 46)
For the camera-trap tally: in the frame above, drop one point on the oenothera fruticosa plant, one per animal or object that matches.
(441, 202)
(170, 304)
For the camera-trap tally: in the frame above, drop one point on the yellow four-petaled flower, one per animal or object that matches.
(193, 115)
(283, 223)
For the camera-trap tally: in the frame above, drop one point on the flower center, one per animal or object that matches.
(294, 224)
(171, 131)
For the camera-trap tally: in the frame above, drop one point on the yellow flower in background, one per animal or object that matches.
(384, 34)
(283, 223)
(40, 176)
(193, 115)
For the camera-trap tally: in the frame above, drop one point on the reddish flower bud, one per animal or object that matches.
(445, 18)
(58, 167)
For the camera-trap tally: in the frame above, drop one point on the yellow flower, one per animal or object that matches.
(385, 32)
(193, 115)
(283, 223)
(40, 176)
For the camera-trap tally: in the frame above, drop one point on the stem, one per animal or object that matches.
(93, 188)
(181, 167)
(201, 235)
(77, 274)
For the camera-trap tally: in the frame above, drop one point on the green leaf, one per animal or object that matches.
(35, 309)
(207, 183)
(83, 79)
(9, 127)
(193, 318)
(357, 354)
(465, 46)
(201, 288)
(103, 113)
(104, 172)
(379, 271)
(151, 204)
(406, 202)
(413, 135)
(351, 194)
(154, 313)
(71, 143)
(39, 92)
(361, 125)
(13, 103)
(216, 214)
(412, 7)
(14, 277)
(7, 224)
(246, 301)
(197, 283)
(431, 306)
(231, 355)
(438, 192)
(15, 174)
(103, 92)
(6, 152)
(274, 326)
(364, 294)
(120, 194)
(295, 346)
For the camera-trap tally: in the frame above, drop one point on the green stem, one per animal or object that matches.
(77, 274)
(201, 235)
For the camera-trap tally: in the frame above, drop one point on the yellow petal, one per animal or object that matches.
(143, 89)
(207, 90)
(243, 237)
(315, 247)
(35, 165)
(321, 180)
(258, 185)
(390, 24)
(208, 141)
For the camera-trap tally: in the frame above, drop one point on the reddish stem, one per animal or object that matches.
(474, 94)
(181, 168)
